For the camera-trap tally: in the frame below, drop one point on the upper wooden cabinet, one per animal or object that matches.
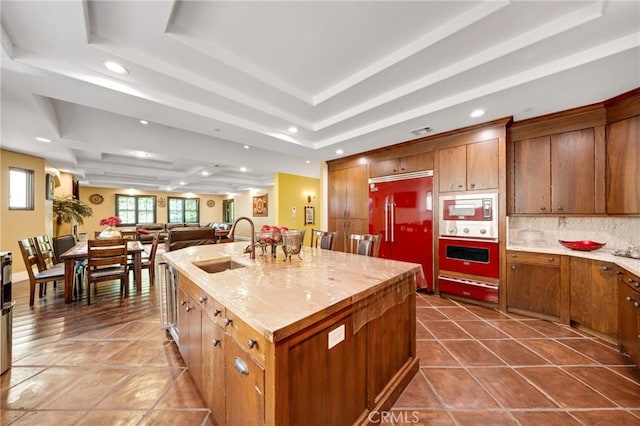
(469, 167)
(623, 166)
(406, 164)
(556, 174)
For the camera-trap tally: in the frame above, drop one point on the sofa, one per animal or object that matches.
(147, 231)
(182, 237)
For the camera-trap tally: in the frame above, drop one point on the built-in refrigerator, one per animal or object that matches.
(401, 209)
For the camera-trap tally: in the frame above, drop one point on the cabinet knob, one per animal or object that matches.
(227, 321)
(514, 267)
(552, 259)
(513, 255)
(473, 185)
(241, 366)
(560, 208)
(636, 304)
(183, 302)
(251, 343)
(188, 309)
(216, 312)
(215, 342)
(543, 208)
(604, 268)
(460, 186)
(203, 299)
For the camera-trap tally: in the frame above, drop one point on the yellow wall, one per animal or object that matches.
(16, 225)
(291, 192)
(65, 189)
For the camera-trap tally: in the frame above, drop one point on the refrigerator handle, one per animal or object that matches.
(393, 222)
(386, 222)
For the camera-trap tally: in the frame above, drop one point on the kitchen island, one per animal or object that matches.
(327, 339)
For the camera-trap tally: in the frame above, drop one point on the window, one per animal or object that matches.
(227, 211)
(132, 209)
(184, 210)
(20, 189)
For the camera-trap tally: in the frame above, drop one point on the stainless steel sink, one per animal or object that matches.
(218, 265)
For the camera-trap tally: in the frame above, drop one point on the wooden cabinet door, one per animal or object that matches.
(357, 192)
(482, 165)
(594, 302)
(623, 166)
(213, 344)
(343, 227)
(183, 324)
(384, 168)
(628, 317)
(244, 380)
(573, 172)
(534, 288)
(337, 193)
(195, 343)
(452, 169)
(532, 175)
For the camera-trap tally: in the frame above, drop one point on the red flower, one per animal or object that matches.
(110, 221)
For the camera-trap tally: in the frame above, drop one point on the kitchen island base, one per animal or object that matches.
(343, 365)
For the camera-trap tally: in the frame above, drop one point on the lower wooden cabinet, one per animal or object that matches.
(244, 384)
(213, 369)
(629, 315)
(533, 284)
(594, 302)
(190, 326)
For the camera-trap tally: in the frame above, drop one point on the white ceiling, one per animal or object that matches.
(211, 77)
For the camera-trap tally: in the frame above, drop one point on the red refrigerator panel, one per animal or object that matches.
(402, 211)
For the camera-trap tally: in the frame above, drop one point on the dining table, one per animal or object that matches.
(79, 252)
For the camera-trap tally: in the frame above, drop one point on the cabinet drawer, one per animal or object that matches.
(247, 338)
(630, 280)
(193, 290)
(215, 311)
(533, 258)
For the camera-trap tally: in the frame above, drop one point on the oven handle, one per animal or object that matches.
(478, 240)
(469, 282)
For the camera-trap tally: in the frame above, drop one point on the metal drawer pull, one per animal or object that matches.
(604, 268)
(216, 312)
(183, 302)
(240, 366)
(215, 342)
(203, 299)
(227, 321)
(252, 343)
(188, 309)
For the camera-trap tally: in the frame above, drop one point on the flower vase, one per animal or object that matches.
(109, 233)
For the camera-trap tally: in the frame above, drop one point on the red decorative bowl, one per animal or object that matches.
(586, 245)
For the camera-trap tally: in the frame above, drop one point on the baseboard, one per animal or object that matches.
(19, 276)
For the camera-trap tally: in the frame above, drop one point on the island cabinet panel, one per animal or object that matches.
(557, 174)
(406, 164)
(533, 284)
(629, 315)
(213, 382)
(190, 326)
(331, 361)
(594, 301)
(348, 193)
(469, 167)
(244, 386)
(623, 166)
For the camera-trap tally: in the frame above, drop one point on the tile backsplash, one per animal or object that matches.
(617, 232)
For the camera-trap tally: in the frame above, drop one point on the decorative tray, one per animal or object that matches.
(584, 245)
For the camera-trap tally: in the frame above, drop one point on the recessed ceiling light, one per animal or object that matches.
(183, 183)
(116, 67)
(243, 169)
(293, 129)
(145, 122)
(477, 113)
(339, 151)
(246, 147)
(39, 139)
(141, 154)
(204, 173)
(308, 161)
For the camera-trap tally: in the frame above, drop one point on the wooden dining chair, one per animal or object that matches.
(364, 244)
(31, 262)
(107, 261)
(45, 252)
(322, 239)
(149, 262)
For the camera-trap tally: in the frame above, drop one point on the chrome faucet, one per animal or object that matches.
(252, 246)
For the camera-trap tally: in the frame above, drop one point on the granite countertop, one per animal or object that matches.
(604, 254)
(272, 294)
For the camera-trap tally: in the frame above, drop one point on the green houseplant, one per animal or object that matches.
(68, 210)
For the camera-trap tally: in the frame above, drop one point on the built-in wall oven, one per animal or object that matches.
(468, 246)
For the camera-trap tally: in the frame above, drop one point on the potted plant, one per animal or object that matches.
(68, 210)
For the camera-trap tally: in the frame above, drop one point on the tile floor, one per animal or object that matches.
(478, 367)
